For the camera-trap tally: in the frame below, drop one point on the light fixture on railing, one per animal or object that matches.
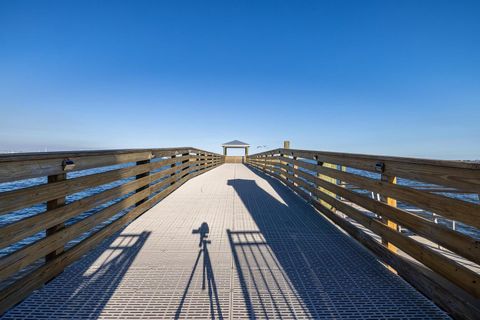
(68, 164)
(380, 167)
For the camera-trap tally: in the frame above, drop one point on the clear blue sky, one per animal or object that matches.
(382, 77)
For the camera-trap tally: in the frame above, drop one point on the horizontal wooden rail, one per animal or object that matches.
(461, 175)
(339, 184)
(460, 243)
(117, 187)
(13, 200)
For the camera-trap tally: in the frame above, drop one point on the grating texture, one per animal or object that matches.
(228, 244)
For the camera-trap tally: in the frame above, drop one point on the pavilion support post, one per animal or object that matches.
(224, 151)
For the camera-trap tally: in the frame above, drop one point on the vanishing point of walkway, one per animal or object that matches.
(231, 243)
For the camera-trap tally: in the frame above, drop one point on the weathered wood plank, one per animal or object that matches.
(11, 171)
(19, 230)
(456, 174)
(465, 278)
(21, 258)
(140, 176)
(52, 205)
(391, 202)
(21, 198)
(459, 243)
(450, 208)
(157, 152)
(31, 165)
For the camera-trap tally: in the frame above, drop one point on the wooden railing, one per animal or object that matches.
(441, 262)
(69, 202)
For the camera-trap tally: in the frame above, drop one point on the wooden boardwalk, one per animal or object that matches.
(231, 243)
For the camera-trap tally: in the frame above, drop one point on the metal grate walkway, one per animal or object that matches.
(228, 244)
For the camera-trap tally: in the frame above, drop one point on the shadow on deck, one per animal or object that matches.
(208, 276)
(302, 266)
(91, 282)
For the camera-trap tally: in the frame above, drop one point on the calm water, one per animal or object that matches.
(36, 209)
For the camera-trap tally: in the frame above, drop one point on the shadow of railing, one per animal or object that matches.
(271, 264)
(273, 290)
(297, 264)
(90, 283)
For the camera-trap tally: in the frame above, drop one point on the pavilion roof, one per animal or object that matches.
(235, 143)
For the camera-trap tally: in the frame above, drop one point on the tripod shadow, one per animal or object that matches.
(208, 278)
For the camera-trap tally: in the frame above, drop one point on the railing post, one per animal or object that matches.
(202, 162)
(173, 165)
(187, 167)
(140, 176)
(295, 168)
(286, 145)
(197, 161)
(323, 177)
(391, 202)
(51, 205)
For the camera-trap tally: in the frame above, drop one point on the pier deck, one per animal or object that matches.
(231, 243)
